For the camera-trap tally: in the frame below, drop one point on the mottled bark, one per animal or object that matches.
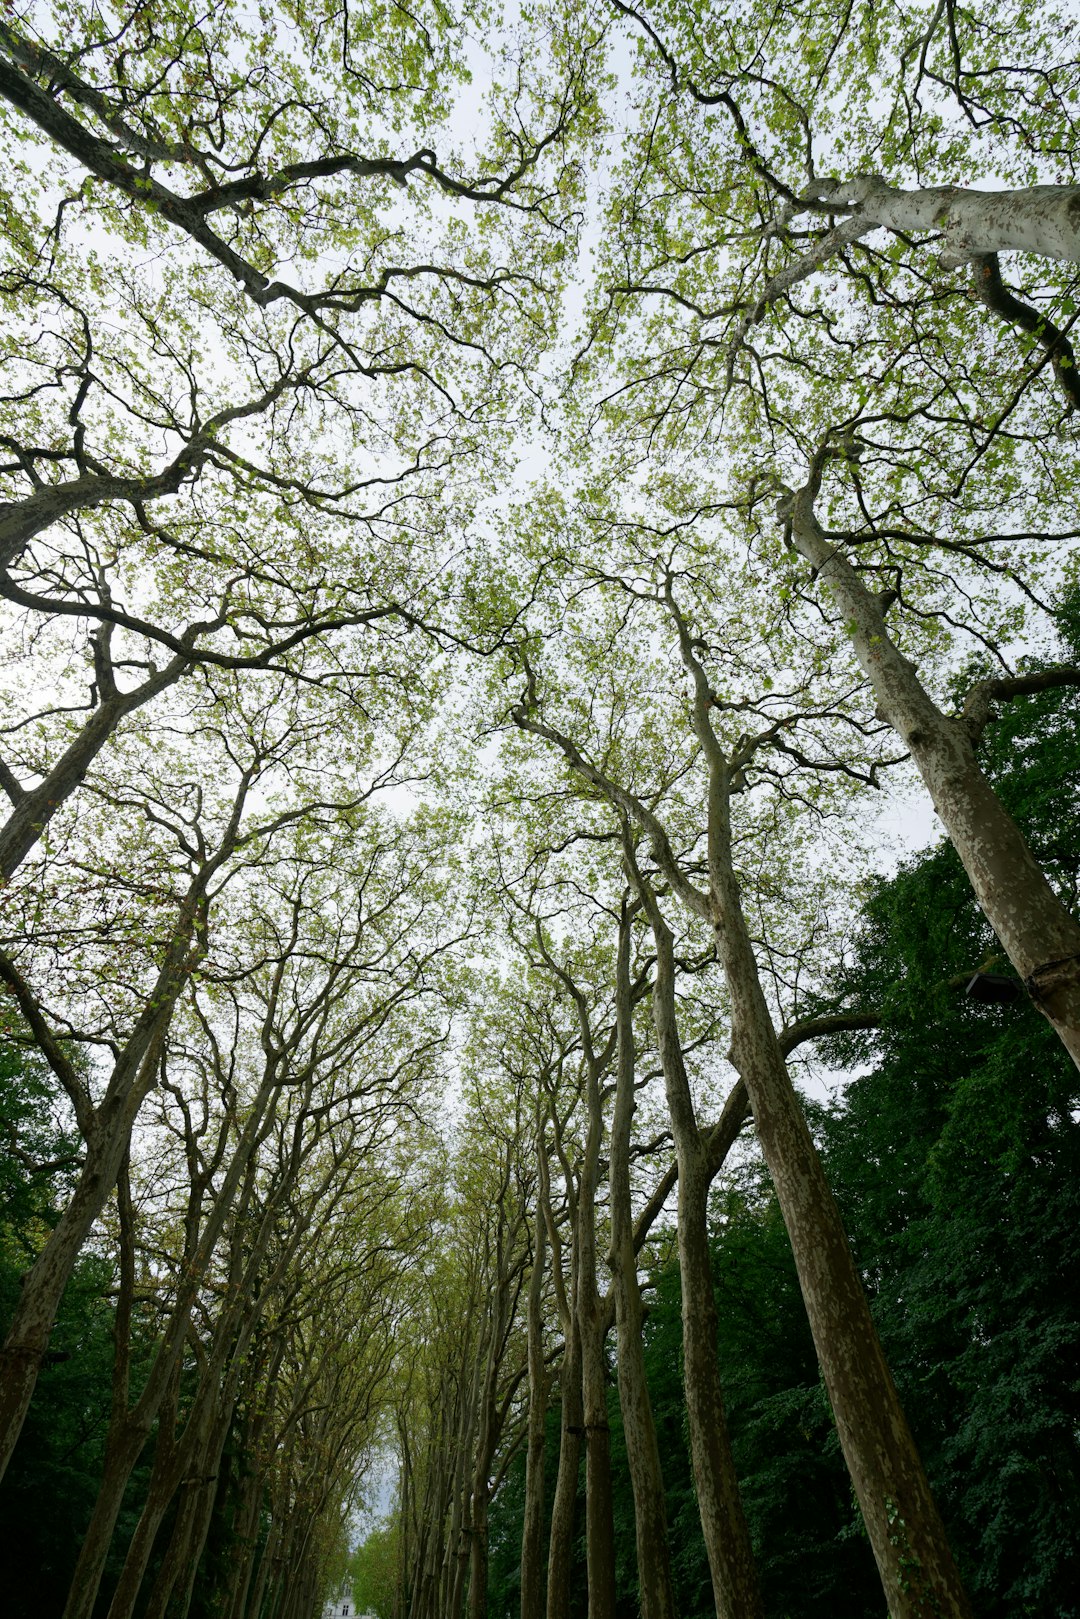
(908, 1539)
(35, 807)
(171, 1590)
(1040, 937)
(1044, 219)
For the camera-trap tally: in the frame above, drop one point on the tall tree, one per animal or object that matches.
(901, 1518)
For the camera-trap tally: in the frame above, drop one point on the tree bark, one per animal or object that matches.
(908, 1538)
(180, 1563)
(35, 807)
(727, 1538)
(1044, 220)
(532, 1571)
(1040, 937)
(561, 1543)
(593, 1329)
(655, 1591)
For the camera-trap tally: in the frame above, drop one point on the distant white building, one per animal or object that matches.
(343, 1607)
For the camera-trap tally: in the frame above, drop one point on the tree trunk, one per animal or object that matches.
(532, 1534)
(593, 1327)
(43, 1286)
(1039, 935)
(181, 1561)
(263, 1570)
(643, 1455)
(906, 1534)
(236, 1604)
(560, 1546)
(727, 1538)
(124, 1447)
(37, 806)
(599, 1505)
(1044, 220)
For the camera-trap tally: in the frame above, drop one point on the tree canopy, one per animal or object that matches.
(500, 507)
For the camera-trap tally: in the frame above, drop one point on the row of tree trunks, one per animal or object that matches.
(905, 1531)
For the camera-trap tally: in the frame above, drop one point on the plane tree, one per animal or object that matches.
(298, 1050)
(558, 862)
(800, 187)
(268, 317)
(802, 270)
(133, 915)
(632, 763)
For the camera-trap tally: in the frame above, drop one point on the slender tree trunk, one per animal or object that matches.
(1041, 938)
(181, 1561)
(560, 1546)
(487, 1439)
(125, 1440)
(643, 1455)
(592, 1331)
(173, 1461)
(244, 1556)
(478, 1557)
(36, 807)
(43, 1286)
(727, 1538)
(124, 1447)
(532, 1534)
(159, 1494)
(599, 1505)
(263, 1571)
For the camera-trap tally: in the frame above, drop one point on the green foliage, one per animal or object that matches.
(957, 1162)
(373, 1571)
(955, 1156)
(49, 1489)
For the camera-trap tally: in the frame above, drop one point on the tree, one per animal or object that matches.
(1038, 932)
(900, 1515)
(373, 1568)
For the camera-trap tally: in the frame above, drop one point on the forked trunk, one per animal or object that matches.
(1044, 220)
